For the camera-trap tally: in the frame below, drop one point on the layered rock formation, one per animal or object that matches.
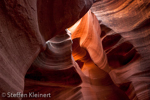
(55, 68)
(88, 49)
(128, 19)
(103, 57)
(19, 44)
(21, 41)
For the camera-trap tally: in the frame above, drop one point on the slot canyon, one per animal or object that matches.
(74, 49)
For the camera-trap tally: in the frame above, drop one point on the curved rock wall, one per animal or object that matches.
(18, 49)
(22, 37)
(35, 47)
(87, 48)
(55, 68)
(126, 23)
(131, 13)
(89, 31)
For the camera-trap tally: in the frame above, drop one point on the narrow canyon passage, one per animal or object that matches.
(74, 50)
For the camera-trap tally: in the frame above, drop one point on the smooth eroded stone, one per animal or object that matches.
(55, 16)
(122, 15)
(130, 19)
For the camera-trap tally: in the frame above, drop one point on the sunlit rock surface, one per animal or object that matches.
(89, 32)
(55, 68)
(122, 15)
(87, 48)
(107, 58)
(127, 56)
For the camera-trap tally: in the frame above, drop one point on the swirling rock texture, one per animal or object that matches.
(87, 48)
(22, 37)
(129, 57)
(38, 54)
(55, 71)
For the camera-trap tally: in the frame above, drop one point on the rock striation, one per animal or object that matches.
(22, 37)
(63, 48)
(125, 27)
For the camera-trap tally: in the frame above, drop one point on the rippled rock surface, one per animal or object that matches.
(105, 56)
(25, 26)
(128, 19)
